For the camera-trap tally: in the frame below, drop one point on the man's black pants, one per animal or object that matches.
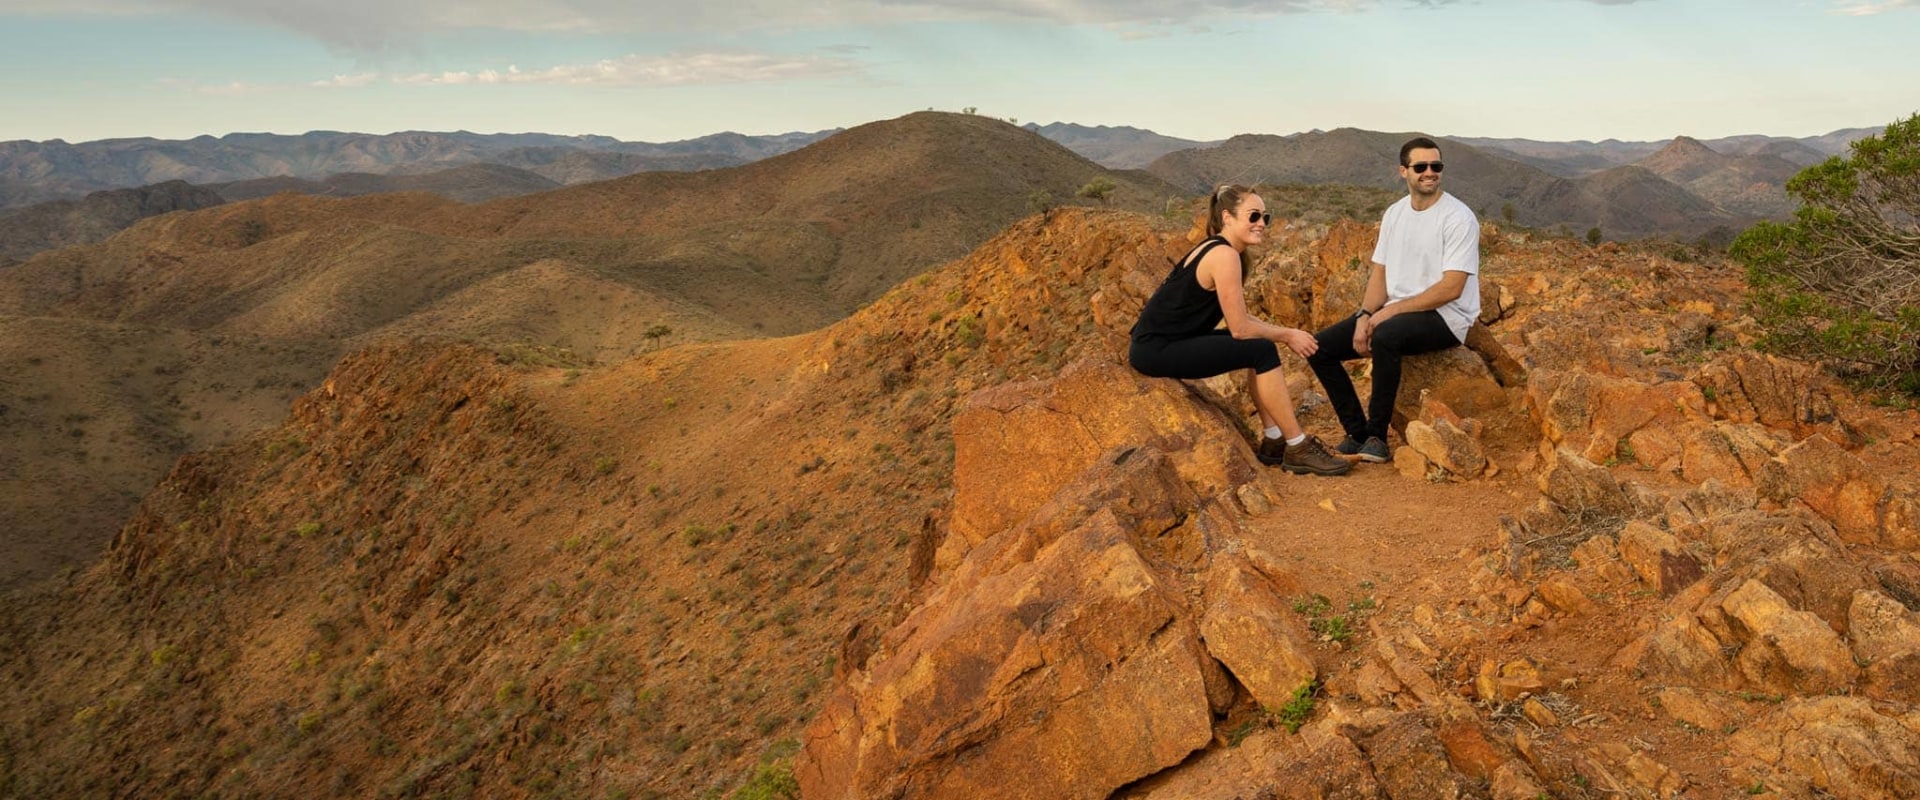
(1400, 336)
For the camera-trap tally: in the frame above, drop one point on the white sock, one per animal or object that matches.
(1295, 441)
(1273, 431)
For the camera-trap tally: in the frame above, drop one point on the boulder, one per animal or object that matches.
(1837, 485)
(1016, 445)
(1511, 681)
(1704, 710)
(1565, 597)
(1726, 452)
(1456, 453)
(1247, 627)
(1507, 370)
(1592, 414)
(1600, 556)
(1583, 489)
(1886, 638)
(1682, 651)
(1623, 770)
(1746, 386)
(1658, 558)
(1835, 746)
(1342, 261)
(1457, 377)
(1787, 650)
(1319, 763)
(1409, 761)
(1065, 676)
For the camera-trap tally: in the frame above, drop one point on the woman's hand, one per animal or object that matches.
(1299, 341)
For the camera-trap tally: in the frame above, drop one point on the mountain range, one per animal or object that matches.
(1694, 188)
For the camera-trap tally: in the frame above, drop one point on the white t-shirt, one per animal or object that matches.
(1417, 246)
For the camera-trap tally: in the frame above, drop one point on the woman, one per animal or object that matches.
(1176, 336)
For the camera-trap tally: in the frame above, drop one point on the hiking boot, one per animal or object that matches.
(1348, 447)
(1375, 451)
(1271, 451)
(1311, 458)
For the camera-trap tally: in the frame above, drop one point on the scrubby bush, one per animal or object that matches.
(1841, 282)
(1099, 189)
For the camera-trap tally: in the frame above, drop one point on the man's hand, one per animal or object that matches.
(1363, 335)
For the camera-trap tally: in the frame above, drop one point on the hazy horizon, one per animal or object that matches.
(1563, 70)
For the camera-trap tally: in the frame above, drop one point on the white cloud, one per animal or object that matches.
(1858, 9)
(635, 70)
(374, 26)
(347, 81)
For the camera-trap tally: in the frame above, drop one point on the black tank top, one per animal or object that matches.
(1181, 307)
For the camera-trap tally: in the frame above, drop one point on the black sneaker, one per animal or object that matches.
(1375, 451)
(1348, 447)
(1311, 457)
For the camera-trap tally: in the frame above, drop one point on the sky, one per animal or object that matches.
(665, 70)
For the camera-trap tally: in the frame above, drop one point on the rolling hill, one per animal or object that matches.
(1117, 146)
(64, 223)
(1750, 185)
(572, 276)
(472, 183)
(32, 172)
(1622, 202)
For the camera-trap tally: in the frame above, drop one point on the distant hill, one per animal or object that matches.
(64, 223)
(1577, 158)
(473, 183)
(1120, 147)
(38, 171)
(27, 230)
(1623, 203)
(1751, 185)
(188, 329)
(568, 165)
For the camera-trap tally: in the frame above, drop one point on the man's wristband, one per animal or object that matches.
(1365, 313)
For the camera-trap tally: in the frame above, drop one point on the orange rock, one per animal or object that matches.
(1837, 485)
(1786, 649)
(1018, 671)
(1012, 454)
(1658, 558)
(1248, 629)
(1469, 749)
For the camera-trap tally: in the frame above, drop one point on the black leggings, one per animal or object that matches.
(1403, 335)
(1212, 353)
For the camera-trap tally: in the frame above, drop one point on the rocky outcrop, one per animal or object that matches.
(1101, 606)
(1862, 505)
(1017, 445)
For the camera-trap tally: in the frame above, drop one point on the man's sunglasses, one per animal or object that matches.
(1261, 217)
(1420, 168)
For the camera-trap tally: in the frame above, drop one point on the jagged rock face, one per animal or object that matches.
(1045, 631)
(1838, 746)
(1839, 486)
(994, 693)
(1017, 444)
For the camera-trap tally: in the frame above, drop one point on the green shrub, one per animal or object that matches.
(1841, 282)
(1099, 189)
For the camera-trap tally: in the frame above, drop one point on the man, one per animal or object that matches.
(1423, 292)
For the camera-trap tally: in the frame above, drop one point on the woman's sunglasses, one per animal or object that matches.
(1420, 168)
(1260, 217)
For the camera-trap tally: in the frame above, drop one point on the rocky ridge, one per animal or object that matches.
(1678, 568)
